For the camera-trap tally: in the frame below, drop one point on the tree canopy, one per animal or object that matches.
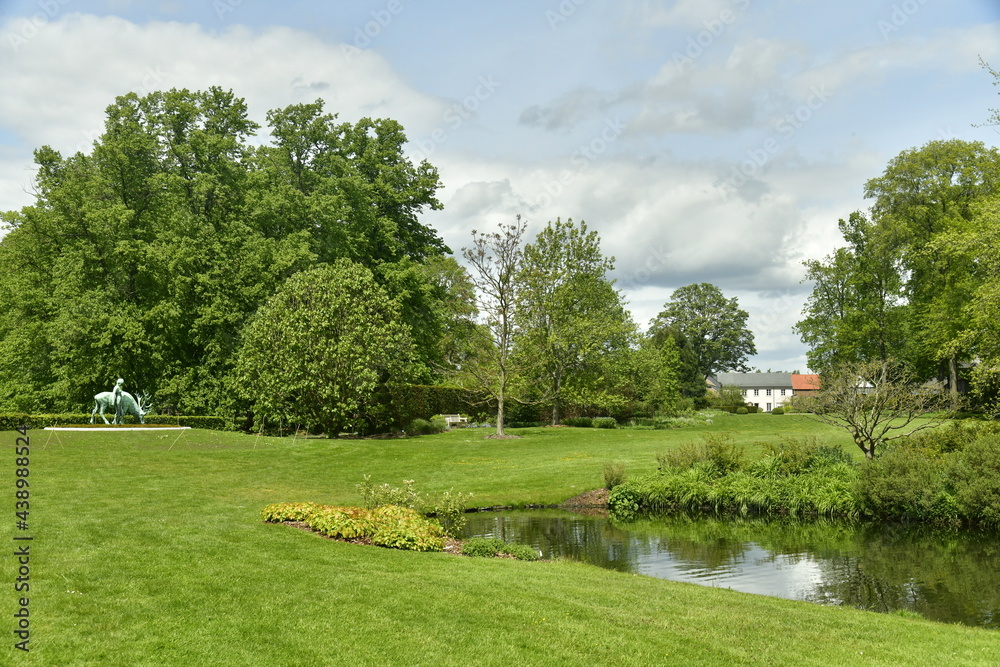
(319, 349)
(714, 326)
(573, 327)
(905, 281)
(146, 257)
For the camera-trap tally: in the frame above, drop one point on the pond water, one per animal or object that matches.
(947, 575)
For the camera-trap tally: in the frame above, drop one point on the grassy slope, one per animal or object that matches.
(150, 555)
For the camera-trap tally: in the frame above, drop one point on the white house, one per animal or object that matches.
(767, 391)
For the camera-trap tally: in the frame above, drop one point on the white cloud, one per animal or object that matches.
(59, 82)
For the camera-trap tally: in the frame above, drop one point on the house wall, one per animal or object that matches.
(767, 398)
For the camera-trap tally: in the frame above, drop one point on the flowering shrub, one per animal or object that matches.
(386, 526)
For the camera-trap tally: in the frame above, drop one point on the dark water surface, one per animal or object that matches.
(949, 575)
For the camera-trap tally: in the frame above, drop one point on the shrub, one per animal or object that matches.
(404, 528)
(450, 511)
(778, 411)
(903, 483)
(386, 526)
(724, 454)
(791, 454)
(491, 547)
(682, 457)
(521, 552)
(716, 449)
(742, 411)
(605, 422)
(425, 427)
(828, 455)
(484, 547)
(279, 512)
(975, 477)
(384, 494)
(951, 437)
(614, 474)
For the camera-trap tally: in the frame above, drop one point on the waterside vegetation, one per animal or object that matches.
(150, 551)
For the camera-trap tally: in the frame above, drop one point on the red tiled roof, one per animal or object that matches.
(805, 382)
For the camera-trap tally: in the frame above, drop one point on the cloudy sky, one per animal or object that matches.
(706, 140)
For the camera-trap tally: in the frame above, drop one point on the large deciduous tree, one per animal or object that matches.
(572, 325)
(855, 311)
(320, 349)
(146, 257)
(896, 289)
(714, 326)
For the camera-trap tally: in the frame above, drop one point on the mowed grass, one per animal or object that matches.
(149, 550)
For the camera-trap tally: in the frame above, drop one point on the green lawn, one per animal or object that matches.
(148, 551)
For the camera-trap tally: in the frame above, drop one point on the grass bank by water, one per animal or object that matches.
(149, 549)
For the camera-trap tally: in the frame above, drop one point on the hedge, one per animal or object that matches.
(11, 420)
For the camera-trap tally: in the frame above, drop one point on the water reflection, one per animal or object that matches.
(943, 574)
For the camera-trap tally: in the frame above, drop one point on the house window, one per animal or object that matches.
(756, 392)
(782, 392)
(768, 392)
(768, 407)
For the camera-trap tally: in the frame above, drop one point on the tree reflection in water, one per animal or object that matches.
(945, 574)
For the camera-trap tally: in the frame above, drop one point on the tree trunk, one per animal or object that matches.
(500, 398)
(953, 381)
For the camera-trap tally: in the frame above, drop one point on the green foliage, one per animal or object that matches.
(386, 526)
(385, 494)
(425, 427)
(318, 351)
(716, 453)
(614, 474)
(491, 547)
(605, 422)
(449, 508)
(792, 456)
(975, 477)
(904, 483)
(146, 257)
(406, 402)
(573, 331)
(827, 491)
(714, 326)
(742, 410)
(778, 411)
(579, 422)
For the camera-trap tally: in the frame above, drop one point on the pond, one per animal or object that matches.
(947, 575)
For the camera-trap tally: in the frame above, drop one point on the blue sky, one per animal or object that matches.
(706, 140)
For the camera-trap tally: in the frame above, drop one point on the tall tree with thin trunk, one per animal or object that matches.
(494, 258)
(572, 322)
